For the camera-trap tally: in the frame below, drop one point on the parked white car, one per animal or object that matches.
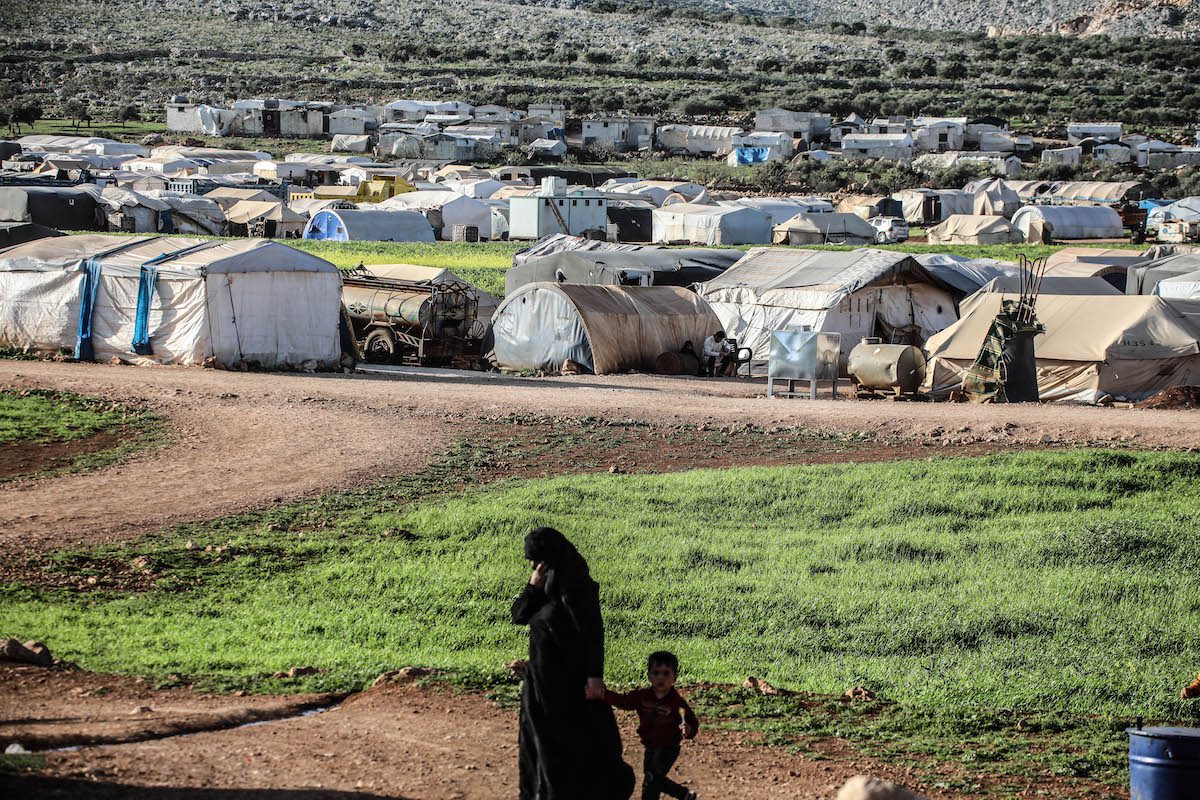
(889, 230)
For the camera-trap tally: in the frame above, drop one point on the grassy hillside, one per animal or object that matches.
(686, 61)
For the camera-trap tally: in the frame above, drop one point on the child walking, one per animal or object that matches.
(659, 708)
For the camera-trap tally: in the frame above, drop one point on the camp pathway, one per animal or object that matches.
(245, 440)
(395, 741)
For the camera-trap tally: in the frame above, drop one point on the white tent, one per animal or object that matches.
(931, 206)
(963, 274)
(995, 198)
(659, 191)
(855, 293)
(131, 212)
(1187, 209)
(444, 210)
(1095, 346)
(191, 214)
(1068, 222)
(358, 225)
(171, 301)
(781, 209)
(828, 228)
(974, 229)
(710, 225)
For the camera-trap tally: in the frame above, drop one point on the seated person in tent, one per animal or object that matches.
(718, 357)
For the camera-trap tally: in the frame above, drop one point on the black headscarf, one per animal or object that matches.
(567, 567)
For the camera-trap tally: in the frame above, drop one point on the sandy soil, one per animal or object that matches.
(394, 742)
(243, 440)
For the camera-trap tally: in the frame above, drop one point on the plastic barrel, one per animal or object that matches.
(1164, 763)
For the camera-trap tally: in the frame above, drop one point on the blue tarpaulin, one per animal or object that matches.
(141, 323)
(752, 155)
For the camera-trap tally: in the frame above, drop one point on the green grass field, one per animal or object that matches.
(1060, 581)
(1013, 613)
(36, 416)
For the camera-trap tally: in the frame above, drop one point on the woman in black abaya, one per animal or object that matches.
(570, 748)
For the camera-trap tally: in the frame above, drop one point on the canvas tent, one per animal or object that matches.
(1094, 347)
(1011, 284)
(171, 301)
(644, 267)
(1187, 210)
(781, 209)
(12, 233)
(561, 243)
(135, 213)
(963, 275)
(355, 225)
(995, 198)
(855, 293)
(268, 218)
(931, 206)
(825, 228)
(868, 206)
(61, 207)
(604, 329)
(444, 209)
(974, 229)
(192, 214)
(710, 225)
(1037, 223)
(1182, 269)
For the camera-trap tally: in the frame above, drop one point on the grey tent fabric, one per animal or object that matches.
(603, 329)
(1143, 279)
(61, 207)
(12, 233)
(664, 267)
(559, 242)
(965, 275)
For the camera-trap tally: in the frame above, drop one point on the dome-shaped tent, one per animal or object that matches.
(974, 229)
(604, 329)
(353, 225)
(1068, 222)
(825, 228)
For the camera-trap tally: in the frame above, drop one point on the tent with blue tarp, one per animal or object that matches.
(745, 156)
(150, 299)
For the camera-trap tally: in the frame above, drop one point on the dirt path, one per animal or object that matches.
(397, 742)
(244, 440)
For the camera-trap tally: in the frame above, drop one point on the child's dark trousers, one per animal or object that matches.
(657, 764)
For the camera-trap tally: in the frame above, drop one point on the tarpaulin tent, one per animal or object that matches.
(1145, 278)
(604, 329)
(993, 198)
(656, 267)
(709, 225)
(868, 206)
(20, 232)
(965, 275)
(856, 293)
(132, 212)
(171, 301)
(192, 214)
(781, 209)
(355, 225)
(271, 217)
(444, 209)
(1011, 285)
(831, 227)
(228, 196)
(974, 229)
(1068, 222)
(62, 207)
(931, 206)
(561, 242)
(1187, 210)
(1094, 347)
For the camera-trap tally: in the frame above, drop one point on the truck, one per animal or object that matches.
(415, 322)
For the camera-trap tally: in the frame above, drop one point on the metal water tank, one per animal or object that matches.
(899, 367)
(1164, 763)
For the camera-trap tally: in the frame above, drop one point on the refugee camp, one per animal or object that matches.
(590, 401)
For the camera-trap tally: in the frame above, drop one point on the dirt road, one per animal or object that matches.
(243, 440)
(397, 742)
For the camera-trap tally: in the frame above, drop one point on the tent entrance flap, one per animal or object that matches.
(147, 277)
(91, 284)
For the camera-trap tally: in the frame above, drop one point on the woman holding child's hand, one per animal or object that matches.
(570, 748)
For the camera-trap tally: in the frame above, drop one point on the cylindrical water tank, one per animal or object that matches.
(1164, 763)
(874, 365)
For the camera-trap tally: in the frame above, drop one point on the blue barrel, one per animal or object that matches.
(1164, 763)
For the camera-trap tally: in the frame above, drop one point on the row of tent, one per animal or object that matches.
(611, 308)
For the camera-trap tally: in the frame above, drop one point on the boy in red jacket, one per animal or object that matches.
(659, 708)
